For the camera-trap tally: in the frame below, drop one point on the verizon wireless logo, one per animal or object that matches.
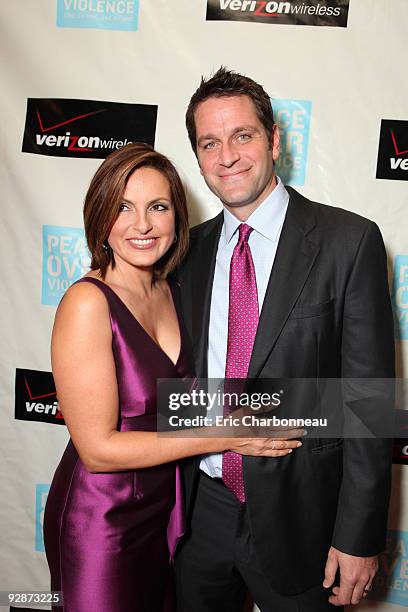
(400, 451)
(295, 12)
(392, 160)
(85, 128)
(36, 397)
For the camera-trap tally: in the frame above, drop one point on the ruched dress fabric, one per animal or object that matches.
(110, 537)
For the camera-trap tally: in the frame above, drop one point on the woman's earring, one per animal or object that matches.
(175, 238)
(106, 246)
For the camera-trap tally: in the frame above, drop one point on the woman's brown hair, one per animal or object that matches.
(104, 197)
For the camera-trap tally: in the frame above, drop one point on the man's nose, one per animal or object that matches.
(228, 154)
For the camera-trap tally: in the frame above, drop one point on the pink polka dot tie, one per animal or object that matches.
(243, 316)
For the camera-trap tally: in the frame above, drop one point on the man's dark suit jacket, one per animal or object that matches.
(326, 313)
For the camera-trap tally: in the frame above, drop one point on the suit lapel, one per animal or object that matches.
(297, 250)
(202, 282)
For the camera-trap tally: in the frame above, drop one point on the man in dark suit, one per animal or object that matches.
(310, 284)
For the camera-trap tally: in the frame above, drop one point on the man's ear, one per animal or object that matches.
(275, 142)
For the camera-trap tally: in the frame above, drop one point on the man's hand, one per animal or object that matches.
(356, 576)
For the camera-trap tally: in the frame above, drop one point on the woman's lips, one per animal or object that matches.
(142, 243)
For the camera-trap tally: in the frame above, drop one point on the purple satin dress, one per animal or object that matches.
(109, 537)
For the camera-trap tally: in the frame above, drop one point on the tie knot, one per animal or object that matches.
(244, 232)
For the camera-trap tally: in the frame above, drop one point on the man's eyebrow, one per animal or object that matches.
(206, 137)
(245, 128)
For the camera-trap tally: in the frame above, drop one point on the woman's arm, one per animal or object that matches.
(85, 379)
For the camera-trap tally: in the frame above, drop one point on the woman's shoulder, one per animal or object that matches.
(81, 326)
(84, 298)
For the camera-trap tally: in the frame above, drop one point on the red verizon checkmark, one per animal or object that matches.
(35, 397)
(57, 125)
(397, 152)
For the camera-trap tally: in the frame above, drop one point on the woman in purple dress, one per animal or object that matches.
(114, 513)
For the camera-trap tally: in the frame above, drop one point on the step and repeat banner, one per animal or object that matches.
(82, 78)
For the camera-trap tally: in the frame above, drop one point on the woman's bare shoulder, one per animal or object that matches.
(84, 299)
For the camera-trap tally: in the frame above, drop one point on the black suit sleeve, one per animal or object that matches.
(367, 352)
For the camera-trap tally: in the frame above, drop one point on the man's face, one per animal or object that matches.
(234, 152)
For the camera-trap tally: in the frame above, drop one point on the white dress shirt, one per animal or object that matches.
(266, 221)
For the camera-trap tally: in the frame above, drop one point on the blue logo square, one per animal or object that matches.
(41, 494)
(400, 296)
(293, 119)
(65, 259)
(391, 582)
(98, 14)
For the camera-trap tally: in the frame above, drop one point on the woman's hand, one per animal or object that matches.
(266, 447)
(268, 441)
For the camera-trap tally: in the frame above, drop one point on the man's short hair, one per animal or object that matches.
(225, 83)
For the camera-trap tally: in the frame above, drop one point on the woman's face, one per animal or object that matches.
(145, 227)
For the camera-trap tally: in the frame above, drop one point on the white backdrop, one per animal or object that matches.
(352, 77)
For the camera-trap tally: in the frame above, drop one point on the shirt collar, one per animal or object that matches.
(267, 219)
